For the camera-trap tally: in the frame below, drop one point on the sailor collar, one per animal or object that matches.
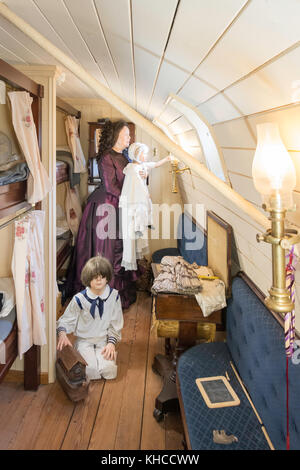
(94, 300)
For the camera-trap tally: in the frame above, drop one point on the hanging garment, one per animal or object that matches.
(136, 207)
(71, 124)
(29, 276)
(38, 184)
(73, 209)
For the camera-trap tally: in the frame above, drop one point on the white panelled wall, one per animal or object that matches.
(237, 139)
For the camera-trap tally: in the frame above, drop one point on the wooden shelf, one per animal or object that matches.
(13, 198)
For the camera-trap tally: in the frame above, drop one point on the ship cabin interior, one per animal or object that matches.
(208, 290)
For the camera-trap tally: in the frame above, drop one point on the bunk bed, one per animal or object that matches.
(64, 174)
(13, 204)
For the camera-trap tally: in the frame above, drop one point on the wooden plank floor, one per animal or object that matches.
(117, 415)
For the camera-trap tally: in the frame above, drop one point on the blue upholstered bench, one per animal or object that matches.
(255, 345)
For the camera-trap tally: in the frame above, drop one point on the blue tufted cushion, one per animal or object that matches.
(191, 243)
(207, 360)
(256, 342)
(6, 324)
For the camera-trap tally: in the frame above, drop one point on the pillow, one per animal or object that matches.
(7, 288)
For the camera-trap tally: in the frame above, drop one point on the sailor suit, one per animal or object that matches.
(95, 321)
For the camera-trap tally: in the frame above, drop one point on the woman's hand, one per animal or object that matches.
(109, 352)
(63, 341)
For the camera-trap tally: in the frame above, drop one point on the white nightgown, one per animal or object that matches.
(136, 212)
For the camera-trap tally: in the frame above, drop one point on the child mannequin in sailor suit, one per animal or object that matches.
(96, 319)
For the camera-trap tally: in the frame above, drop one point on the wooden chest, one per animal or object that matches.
(71, 373)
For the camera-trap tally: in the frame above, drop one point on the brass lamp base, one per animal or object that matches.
(279, 301)
(280, 239)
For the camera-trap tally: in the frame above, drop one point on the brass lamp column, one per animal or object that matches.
(274, 177)
(279, 299)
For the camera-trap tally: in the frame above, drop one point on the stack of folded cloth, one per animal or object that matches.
(177, 276)
(18, 172)
(213, 294)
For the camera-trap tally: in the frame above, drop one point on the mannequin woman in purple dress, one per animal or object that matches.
(99, 227)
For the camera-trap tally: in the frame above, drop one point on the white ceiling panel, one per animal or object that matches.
(146, 66)
(60, 18)
(89, 26)
(218, 109)
(169, 80)
(73, 87)
(235, 134)
(198, 24)
(189, 139)
(29, 11)
(114, 17)
(169, 114)
(180, 125)
(239, 160)
(195, 91)
(40, 54)
(272, 86)
(151, 23)
(10, 57)
(263, 30)
(9, 42)
(288, 121)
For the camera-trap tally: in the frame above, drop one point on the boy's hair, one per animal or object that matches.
(94, 267)
(135, 150)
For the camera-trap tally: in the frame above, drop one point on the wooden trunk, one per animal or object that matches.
(70, 373)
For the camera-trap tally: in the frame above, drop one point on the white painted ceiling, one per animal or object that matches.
(227, 57)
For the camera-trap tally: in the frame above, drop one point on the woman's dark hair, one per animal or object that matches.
(109, 136)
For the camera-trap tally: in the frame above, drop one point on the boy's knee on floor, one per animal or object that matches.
(109, 371)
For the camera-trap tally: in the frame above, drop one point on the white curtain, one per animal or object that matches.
(73, 208)
(71, 124)
(29, 277)
(38, 184)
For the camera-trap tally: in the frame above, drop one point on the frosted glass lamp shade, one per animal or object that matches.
(273, 170)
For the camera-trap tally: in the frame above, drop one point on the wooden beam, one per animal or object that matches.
(17, 79)
(67, 108)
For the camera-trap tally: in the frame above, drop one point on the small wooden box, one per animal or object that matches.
(71, 373)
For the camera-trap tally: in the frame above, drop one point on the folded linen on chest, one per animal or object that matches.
(180, 277)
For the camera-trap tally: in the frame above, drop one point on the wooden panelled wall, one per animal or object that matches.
(237, 139)
(160, 178)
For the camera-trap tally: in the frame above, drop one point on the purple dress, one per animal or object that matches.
(101, 214)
